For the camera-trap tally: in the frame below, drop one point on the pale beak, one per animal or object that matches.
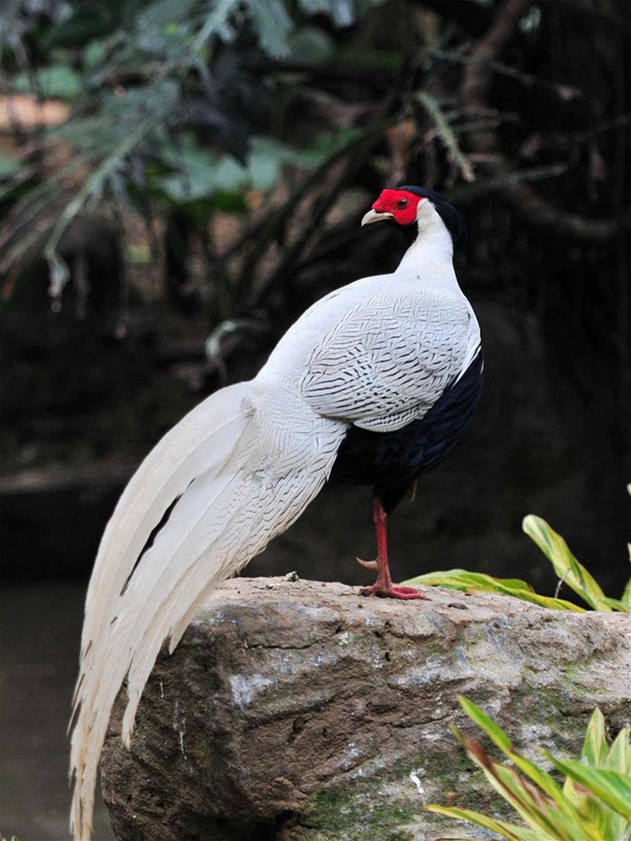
(375, 216)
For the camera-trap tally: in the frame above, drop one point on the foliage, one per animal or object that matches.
(226, 149)
(165, 98)
(171, 99)
(569, 570)
(593, 804)
(447, 134)
(466, 581)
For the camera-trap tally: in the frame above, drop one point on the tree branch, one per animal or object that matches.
(474, 92)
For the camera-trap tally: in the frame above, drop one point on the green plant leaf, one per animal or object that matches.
(485, 723)
(272, 25)
(595, 744)
(499, 738)
(503, 829)
(566, 566)
(594, 804)
(216, 23)
(94, 53)
(200, 173)
(626, 596)
(8, 166)
(612, 787)
(616, 604)
(537, 809)
(619, 756)
(311, 45)
(560, 820)
(464, 580)
(58, 81)
(342, 12)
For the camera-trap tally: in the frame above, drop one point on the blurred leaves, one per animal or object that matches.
(55, 82)
(341, 12)
(120, 114)
(180, 106)
(8, 166)
(161, 109)
(199, 173)
(311, 45)
(272, 25)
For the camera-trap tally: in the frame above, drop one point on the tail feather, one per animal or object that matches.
(205, 436)
(241, 478)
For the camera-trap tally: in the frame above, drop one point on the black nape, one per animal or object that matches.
(453, 219)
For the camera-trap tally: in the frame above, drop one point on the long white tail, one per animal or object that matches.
(240, 468)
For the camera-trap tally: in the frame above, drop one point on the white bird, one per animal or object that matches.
(374, 383)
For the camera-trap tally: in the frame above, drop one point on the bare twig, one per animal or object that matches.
(273, 225)
(353, 163)
(477, 74)
(522, 197)
(503, 180)
(606, 125)
(563, 91)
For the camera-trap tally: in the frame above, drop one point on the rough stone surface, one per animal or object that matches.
(299, 711)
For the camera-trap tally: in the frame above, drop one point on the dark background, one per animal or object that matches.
(176, 188)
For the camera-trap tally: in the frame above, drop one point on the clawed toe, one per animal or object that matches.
(366, 564)
(392, 592)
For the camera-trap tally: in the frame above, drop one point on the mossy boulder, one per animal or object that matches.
(300, 711)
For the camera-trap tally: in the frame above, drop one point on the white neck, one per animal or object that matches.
(432, 246)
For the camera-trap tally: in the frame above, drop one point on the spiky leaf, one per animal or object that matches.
(499, 738)
(619, 756)
(462, 579)
(503, 829)
(566, 566)
(612, 787)
(595, 744)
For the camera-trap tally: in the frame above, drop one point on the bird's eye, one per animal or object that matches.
(401, 203)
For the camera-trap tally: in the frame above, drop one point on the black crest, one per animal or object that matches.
(453, 219)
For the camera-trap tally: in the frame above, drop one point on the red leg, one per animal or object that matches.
(383, 586)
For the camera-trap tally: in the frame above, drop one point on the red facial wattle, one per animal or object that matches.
(401, 204)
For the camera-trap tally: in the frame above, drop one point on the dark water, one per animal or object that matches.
(40, 626)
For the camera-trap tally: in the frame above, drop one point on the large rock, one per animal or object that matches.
(299, 710)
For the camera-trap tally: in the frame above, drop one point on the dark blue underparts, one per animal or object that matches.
(392, 461)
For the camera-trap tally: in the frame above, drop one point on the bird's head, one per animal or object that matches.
(408, 205)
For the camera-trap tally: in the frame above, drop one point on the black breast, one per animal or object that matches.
(391, 461)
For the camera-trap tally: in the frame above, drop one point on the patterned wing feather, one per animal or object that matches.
(387, 361)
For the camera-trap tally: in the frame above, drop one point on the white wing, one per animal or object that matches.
(388, 360)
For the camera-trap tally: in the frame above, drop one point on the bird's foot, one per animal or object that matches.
(392, 591)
